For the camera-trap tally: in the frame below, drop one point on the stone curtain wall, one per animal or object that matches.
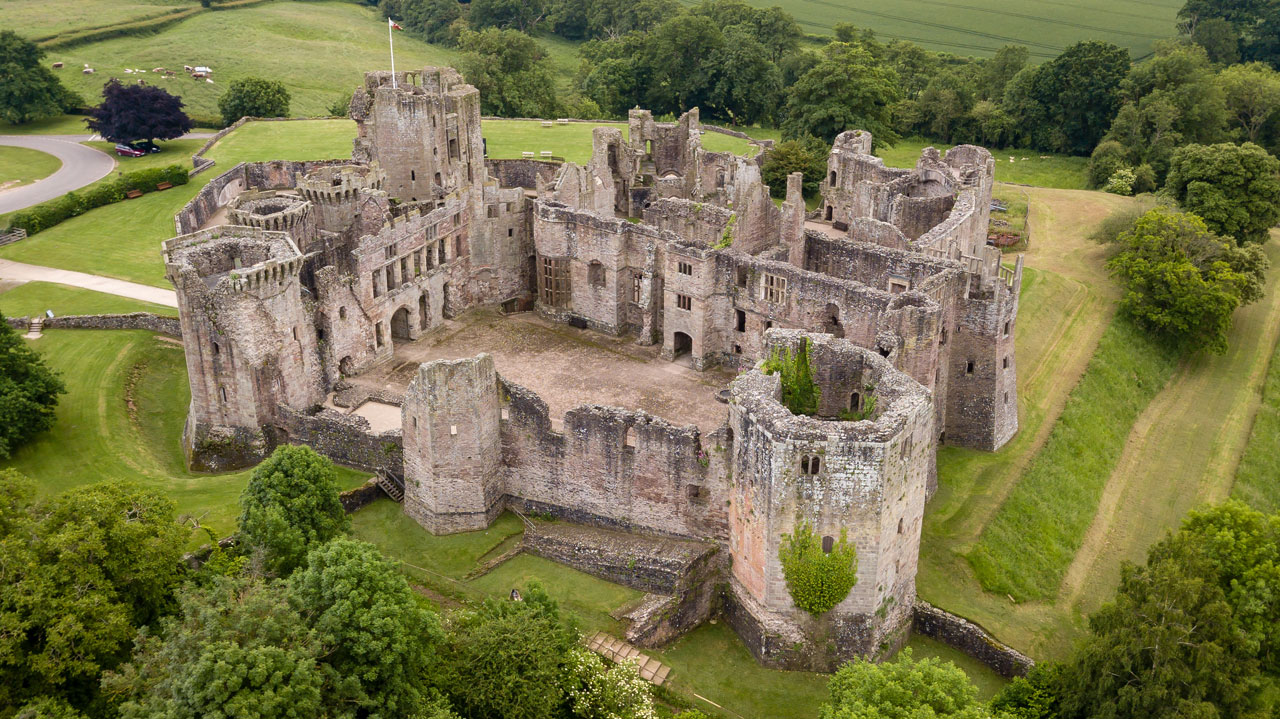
(521, 173)
(971, 639)
(345, 438)
(133, 321)
(614, 468)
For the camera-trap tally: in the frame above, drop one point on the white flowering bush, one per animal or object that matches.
(607, 692)
(1121, 182)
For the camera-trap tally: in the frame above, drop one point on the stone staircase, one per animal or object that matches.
(616, 650)
(35, 328)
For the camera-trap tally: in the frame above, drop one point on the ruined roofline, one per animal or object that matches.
(911, 255)
(897, 394)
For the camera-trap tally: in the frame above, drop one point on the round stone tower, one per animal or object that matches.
(250, 344)
(858, 467)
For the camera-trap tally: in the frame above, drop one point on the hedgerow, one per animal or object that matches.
(72, 204)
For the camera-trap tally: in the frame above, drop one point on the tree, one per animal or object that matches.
(507, 659)
(1219, 40)
(1035, 696)
(138, 112)
(613, 692)
(680, 57)
(847, 90)
(511, 71)
(1000, 69)
(747, 85)
(1085, 81)
(522, 15)
(82, 572)
(1252, 94)
(29, 391)
(1167, 646)
(431, 20)
(237, 648)
(817, 580)
(1235, 188)
(376, 636)
(47, 708)
(28, 89)
(902, 689)
(253, 97)
(807, 155)
(1182, 280)
(290, 505)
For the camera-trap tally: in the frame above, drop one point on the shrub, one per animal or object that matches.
(290, 505)
(1107, 158)
(72, 204)
(800, 393)
(253, 97)
(1121, 182)
(817, 580)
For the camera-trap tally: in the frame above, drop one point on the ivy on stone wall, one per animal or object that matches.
(800, 393)
(817, 580)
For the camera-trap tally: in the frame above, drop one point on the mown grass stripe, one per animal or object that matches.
(1257, 481)
(1027, 548)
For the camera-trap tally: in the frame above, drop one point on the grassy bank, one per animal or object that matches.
(1257, 480)
(1030, 543)
(122, 419)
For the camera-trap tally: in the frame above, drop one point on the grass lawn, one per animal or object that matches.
(57, 125)
(1257, 479)
(33, 298)
(121, 419)
(21, 166)
(430, 559)
(319, 50)
(95, 243)
(509, 138)
(988, 682)
(172, 152)
(589, 598)
(1023, 167)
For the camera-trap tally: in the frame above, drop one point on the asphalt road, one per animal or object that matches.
(81, 165)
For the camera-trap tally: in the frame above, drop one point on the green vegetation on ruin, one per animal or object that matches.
(33, 298)
(22, 166)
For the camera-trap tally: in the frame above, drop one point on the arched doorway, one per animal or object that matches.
(681, 345)
(400, 324)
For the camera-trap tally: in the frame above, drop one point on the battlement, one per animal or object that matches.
(230, 257)
(339, 182)
(269, 210)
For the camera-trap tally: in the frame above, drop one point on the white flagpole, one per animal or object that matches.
(391, 43)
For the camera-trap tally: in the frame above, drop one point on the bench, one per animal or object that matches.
(133, 194)
(164, 185)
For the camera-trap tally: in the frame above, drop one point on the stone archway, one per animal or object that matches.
(681, 344)
(400, 324)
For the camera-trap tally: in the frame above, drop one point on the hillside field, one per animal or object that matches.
(980, 27)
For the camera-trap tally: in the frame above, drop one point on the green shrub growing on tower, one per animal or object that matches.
(817, 580)
(799, 392)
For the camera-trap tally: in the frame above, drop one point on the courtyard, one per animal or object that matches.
(566, 367)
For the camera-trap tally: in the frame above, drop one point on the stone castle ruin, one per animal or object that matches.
(324, 302)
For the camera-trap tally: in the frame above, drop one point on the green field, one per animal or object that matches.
(980, 27)
(1022, 167)
(1257, 480)
(22, 166)
(33, 298)
(319, 50)
(122, 418)
(44, 18)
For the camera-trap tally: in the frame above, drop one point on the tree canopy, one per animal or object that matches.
(904, 688)
(807, 155)
(847, 90)
(29, 90)
(1235, 188)
(1182, 280)
(511, 71)
(253, 97)
(83, 571)
(29, 391)
(290, 505)
(138, 112)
